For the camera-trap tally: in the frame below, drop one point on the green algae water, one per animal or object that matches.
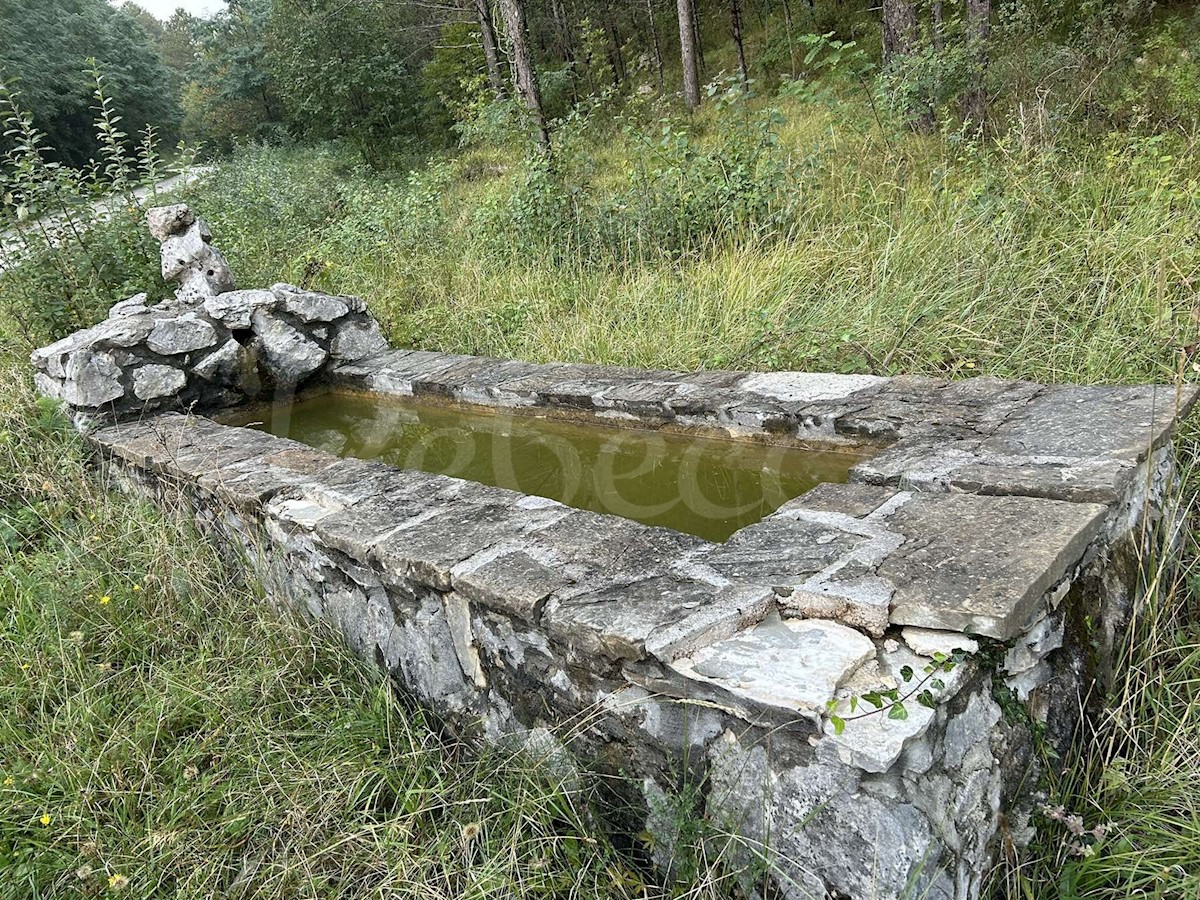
(709, 487)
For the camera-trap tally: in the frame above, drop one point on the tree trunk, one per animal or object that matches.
(567, 46)
(658, 57)
(687, 53)
(979, 23)
(696, 37)
(937, 25)
(524, 74)
(735, 12)
(900, 38)
(787, 23)
(491, 54)
(615, 58)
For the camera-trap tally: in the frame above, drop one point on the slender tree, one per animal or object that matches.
(735, 14)
(687, 53)
(901, 36)
(491, 52)
(657, 45)
(524, 73)
(975, 103)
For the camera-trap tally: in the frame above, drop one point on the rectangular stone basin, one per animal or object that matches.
(976, 568)
(706, 486)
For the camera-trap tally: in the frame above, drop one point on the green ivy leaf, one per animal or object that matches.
(906, 673)
(898, 711)
(839, 724)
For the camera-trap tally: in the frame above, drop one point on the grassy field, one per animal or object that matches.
(164, 735)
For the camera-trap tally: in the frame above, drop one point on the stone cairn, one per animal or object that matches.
(209, 346)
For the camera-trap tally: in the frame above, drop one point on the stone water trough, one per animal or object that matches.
(979, 567)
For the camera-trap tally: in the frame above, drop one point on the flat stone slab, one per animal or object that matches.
(981, 564)
(789, 664)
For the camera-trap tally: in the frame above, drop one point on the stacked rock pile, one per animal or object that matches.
(208, 347)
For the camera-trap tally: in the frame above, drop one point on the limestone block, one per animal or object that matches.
(287, 354)
(130, 306)
(793, 664)
(309, 306)
(164, 221)
(153, 381)
(92, 379)
(182, 334)
(357, 338)
(235, 308)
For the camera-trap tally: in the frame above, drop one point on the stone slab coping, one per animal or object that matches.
(987, 497)
(982, 435)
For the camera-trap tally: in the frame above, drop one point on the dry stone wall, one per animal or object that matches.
(998, 523)
(208, 347)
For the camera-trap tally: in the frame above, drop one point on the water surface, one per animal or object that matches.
(704, 486)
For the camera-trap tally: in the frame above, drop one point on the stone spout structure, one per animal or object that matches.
(980, 566)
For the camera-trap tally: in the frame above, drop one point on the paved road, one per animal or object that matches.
(11, 247)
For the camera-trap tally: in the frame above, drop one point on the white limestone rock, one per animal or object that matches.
(929, 642)
(794, 664)
(235, 308)
(130, 306)
(153, 381)
(164, 221)
(182, 334)
(357, 339)
(92, 379)
(309, 306)
(289, 356)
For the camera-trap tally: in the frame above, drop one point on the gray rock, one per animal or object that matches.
(235, 308)
(309, 306)
(93, 378)
(182, 334)
(357, 339)
(124, 331)
(130, 306)
(793, 664)
(164, 221)
(981, 564)
(225, 364)
(200, 270)
(153, 381)
(288, 355)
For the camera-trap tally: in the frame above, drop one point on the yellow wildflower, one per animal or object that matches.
(117, 882)
(105, 600)
(45, 819)
(9, 782)
(136, 588)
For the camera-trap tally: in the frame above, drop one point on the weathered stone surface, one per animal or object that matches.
(131, 306)
(789, 664)
(510, 580)
(234, 308)
(928, 642)
(309, 306)
(290, 356)
(807, 387)
(1099, 422)
(616, 621)
(181, 335)
(223, 364)
(200, 269)
(154, 381)
(356, 339)
(164, 221)
(782, 551)
(92, 379)
(981, 564)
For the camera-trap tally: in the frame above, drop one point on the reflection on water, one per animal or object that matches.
(703, 486)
